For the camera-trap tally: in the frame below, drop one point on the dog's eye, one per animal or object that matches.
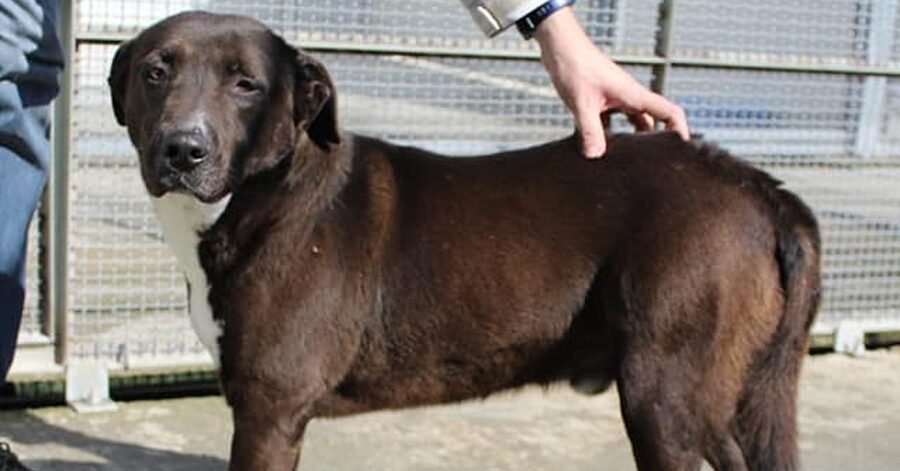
(156, 74)
(244, 85)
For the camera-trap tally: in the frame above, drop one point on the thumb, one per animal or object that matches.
(593, 137)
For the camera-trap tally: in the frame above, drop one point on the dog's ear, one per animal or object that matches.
(118, 80)
(315, 104)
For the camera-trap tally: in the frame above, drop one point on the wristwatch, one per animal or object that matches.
(528, 25)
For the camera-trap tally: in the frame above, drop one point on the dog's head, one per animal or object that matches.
(209, 100)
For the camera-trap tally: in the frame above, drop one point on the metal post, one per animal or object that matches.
(663, 46)
(56, 276)
(619, 25)
(48, 323)
(874, 91)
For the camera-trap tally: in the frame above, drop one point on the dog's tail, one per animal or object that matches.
(766, 416)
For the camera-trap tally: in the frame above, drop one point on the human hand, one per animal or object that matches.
(591, 84)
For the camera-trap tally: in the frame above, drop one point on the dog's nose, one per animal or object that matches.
(184, 150)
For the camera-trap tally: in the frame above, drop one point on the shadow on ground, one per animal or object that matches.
(92, 452)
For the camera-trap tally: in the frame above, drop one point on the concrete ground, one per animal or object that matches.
(849, 414)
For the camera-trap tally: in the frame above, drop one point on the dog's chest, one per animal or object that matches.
(182, 218)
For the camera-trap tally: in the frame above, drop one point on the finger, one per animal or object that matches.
(679, 124)
(664, 110)
(593, 138)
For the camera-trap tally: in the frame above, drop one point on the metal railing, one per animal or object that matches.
(810, 90)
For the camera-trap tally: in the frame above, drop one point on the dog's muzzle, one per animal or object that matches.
(182, 151)
(181, 161)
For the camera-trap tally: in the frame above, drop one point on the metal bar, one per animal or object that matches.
(359, 47)
(620, 24)
(48, 321)
(838, 69)
(57, 242)
(431, 51)
(663, 46)
(889, 70)
(872, 99)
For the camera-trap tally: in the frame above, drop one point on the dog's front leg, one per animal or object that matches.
(260, 445)
(268, 429)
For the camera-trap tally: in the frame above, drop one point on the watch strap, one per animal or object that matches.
(528, 24)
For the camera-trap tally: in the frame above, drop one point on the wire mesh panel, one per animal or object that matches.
(771, 113)
(127, 299)
(806, 31)
(454, 105)
(631, 27)
(385, 23)
(416, 99)
(858, 206)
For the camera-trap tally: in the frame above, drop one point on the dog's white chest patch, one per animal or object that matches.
(182, 217)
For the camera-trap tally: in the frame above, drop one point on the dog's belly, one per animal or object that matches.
(562, 346)
(463, 376)
(182, 218)
(459, 332)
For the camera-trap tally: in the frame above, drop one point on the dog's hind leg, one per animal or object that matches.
(685, 347)
(725, 454)
(259, 444)
(766, 416)
(662, 428)
(681, 375)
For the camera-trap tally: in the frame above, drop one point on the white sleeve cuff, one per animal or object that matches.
(494, 16)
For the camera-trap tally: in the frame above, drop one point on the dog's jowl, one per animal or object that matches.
(333, 273)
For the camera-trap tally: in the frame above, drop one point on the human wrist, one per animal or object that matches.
(558, 26)
(564, 44)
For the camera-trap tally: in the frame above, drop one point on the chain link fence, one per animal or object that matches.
(810, 90)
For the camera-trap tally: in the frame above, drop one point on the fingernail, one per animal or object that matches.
(594, 152)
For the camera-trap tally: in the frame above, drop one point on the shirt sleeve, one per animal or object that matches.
(494, 16)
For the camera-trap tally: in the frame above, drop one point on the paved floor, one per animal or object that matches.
(850, 419)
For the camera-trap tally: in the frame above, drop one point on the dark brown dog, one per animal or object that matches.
(347, 274)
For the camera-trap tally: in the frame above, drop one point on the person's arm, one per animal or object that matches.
(589, 84)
